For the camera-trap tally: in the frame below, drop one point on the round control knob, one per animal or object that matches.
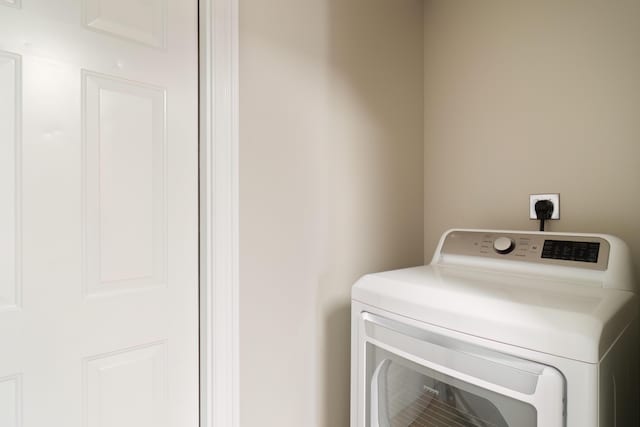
(503, 245)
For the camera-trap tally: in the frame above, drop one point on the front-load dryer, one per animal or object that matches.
(504, 329)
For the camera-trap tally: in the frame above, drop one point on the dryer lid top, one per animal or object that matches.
(573, 318)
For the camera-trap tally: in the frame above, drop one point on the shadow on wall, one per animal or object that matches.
(375, 165)
(335, 366)
(331, 183)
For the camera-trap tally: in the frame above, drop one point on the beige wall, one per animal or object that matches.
(331, 171)
(532, 96)
(519, 97)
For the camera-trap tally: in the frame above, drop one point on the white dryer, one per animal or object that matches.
(504, 329)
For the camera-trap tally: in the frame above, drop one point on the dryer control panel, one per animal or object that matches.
(590, 252)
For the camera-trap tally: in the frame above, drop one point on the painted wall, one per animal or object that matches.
(531, 97)
(331, 174)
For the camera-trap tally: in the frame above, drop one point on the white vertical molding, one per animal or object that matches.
(219, 302)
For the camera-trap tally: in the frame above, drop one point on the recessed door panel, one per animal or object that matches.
(10, 109)
(137, 20)
(10, 3)
(127, 388)
(10, 401)
(124, 180)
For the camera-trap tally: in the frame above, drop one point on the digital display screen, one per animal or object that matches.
(571, 251)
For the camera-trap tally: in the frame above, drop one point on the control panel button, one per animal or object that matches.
(503, 245)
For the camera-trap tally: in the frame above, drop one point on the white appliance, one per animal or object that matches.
(503, 328)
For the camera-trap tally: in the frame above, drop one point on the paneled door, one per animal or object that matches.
(98, 213)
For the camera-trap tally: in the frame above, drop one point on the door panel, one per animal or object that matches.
(124, 178)
(99, 213)
(10, 401)
(10, 74)
(142, 21)
(115, 383)
(10, 3)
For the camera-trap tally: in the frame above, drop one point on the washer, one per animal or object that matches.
(504, 329)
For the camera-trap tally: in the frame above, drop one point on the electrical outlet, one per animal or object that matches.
(555, 199)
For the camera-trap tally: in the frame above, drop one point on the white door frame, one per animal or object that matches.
(219, 307)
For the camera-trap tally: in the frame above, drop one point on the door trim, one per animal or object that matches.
(219, 302)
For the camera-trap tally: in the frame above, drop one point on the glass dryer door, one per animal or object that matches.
(417, 378)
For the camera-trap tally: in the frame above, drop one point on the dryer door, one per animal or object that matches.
(418, 378)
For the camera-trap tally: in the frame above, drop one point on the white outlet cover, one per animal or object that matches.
(555, 199)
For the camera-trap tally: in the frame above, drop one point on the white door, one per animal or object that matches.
(98, 213)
